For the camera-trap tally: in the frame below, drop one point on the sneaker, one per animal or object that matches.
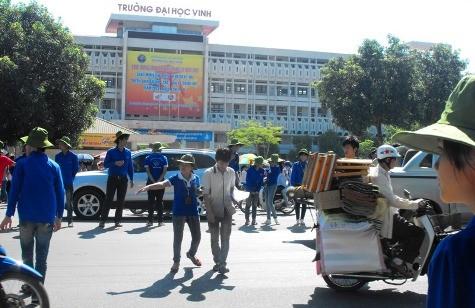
(302, 223)
(216, 268)
(267, 222)
(149, 223)
(161, 224)
(276, 222)
(118, 225)
(254, 223)
(70, 224)
(247, 222)
(223, 270)
(102, 224)
(297, 223)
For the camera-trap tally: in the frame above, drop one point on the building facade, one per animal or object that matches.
(163, 77)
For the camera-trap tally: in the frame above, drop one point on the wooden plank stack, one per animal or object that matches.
(351, 167)
(317, 175)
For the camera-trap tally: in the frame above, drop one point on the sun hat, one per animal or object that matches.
(303, 151)
(156, 146)
(65, 140)
(259, 160)
(118, 136)
(38, 138)
(186, 159)
(275, 158)
(235, 142)
(457, 122)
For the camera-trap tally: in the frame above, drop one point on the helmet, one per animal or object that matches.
(288, 163)
(386, 151)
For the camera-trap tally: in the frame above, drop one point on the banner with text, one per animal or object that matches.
(102, 141)
(162, 84)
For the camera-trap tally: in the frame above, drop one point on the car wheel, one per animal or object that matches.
(88, 203)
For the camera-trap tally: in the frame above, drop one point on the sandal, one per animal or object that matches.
(175, 267)
(193, 259)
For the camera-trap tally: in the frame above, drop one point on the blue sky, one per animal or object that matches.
(327, 26)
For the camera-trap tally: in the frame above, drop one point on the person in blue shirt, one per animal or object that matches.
(118, 160)
(271, 186)
(254, 181)
(156, 165)
(234, 145)
(38, 192)
(452, 267)
(296, 178)
(69, 164)
(185, 208)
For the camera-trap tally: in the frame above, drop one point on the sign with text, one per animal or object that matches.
(163, 84)
(180, 135)
(102, 141)
(163, 10)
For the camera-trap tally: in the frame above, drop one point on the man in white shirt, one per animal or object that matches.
(218, 187)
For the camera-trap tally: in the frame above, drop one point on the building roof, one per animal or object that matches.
(102, 126)
(117, 21)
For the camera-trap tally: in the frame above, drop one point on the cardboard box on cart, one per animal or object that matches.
(326, 200)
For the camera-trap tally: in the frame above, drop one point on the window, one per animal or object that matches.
(139, 163)
(172, 161)
(107, 104)
(203, 161)
(302, 91)
(261, 89)
(426, 162)
(240, 88)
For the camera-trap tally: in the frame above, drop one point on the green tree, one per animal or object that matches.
(300, 142)
(440, 69)
(258, 135)
(374, 87)
(330, 141)
(43, 79)
(365, 148)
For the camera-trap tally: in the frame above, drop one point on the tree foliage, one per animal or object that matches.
(259, 135)
(299, 142)
(391, 85)
(330, 141)
(43, 79)
(365, 149)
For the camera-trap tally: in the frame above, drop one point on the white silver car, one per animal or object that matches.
(419, 177)
(90, 187)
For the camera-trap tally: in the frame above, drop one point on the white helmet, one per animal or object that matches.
(386, 151)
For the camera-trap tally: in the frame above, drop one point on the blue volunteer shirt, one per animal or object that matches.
(113, 155)
(452, 271)
(37, 187)
(155, 162)
(69, 165)
(181, 189)
(272, 175)
(234, 163)
(297, 173)
(254, 179)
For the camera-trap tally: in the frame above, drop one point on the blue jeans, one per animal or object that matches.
(41, 233)
(252, 200)
(270, 193)
(178, 227)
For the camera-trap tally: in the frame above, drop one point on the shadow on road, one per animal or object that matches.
(298, 229)
(307, 243)
(90, 234)
(196, 290)
(204, 284)
(248, 229)
(141, 230)
(365, 297)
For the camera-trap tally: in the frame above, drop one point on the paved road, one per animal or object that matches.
(127, 267)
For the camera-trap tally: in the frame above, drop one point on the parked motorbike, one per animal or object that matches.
(279, 203)
(434, 234)
(20, 285)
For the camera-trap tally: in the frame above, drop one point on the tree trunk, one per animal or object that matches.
(380, 132)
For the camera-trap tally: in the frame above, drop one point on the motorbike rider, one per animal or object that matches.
(394, 226)
(283, 181)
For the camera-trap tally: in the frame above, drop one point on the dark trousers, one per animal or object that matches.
(119, 184)
(155, 198)
(300, 214)
(68, 189)
(410, 237)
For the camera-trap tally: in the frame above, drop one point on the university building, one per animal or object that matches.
(164, 78)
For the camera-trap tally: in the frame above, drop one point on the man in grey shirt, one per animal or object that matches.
(218, 187)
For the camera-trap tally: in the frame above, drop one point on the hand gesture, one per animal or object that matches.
(131, 184)
(6, 223)
(119, 163)
(57, 224)
(141, 190)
